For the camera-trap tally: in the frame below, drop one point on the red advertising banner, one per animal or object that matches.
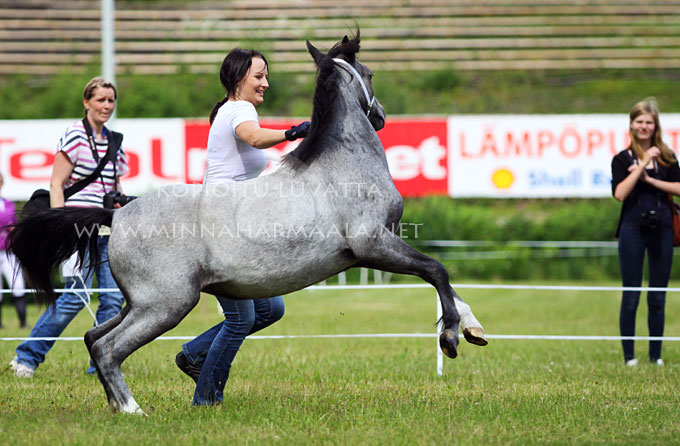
(417, 155)
(415, 148)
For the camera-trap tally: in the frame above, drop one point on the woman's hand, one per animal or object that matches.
(650, 154)
(298, 131)
(643, 173)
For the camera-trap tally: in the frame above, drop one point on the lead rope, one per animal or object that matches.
(86, 302)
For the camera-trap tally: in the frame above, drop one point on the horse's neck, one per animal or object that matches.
(350, 139)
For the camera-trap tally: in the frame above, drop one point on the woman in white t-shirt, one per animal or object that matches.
(234, 153)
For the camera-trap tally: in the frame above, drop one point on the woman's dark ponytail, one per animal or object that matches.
(215, 108)
(234, 68)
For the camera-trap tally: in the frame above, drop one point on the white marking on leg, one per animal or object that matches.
(467, 319)
(132, 407)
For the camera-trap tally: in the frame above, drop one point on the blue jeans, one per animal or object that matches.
(633, 242)
(215, 349)
(55, 319)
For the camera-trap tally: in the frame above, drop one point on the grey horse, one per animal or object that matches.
(330, 206)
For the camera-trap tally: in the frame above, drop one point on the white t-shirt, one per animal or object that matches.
(229, 157)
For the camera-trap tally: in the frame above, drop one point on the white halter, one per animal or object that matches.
(370, 100)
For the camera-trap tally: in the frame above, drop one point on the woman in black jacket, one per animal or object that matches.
(643, 176)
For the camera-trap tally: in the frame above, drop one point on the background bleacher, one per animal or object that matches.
(156, 37)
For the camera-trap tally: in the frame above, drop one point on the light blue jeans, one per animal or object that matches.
(215, 349)
(57, 317)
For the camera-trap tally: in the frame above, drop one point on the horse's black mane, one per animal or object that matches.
(325, 94)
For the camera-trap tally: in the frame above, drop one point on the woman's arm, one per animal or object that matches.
(637, 173)
(671, 182)
(61, 171)
(670, 187)
(254, 135)
(625, 187)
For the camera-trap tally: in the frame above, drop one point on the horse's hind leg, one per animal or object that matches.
(141, 325)
(389, 253)
(95, 333)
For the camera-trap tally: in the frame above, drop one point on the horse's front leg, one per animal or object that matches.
(387, 252)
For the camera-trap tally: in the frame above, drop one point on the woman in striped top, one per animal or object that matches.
(77, 157)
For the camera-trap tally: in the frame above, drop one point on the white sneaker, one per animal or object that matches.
(658, 362)
(21, 370)
(632, 362)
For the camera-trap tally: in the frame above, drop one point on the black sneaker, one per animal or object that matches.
(191, 370)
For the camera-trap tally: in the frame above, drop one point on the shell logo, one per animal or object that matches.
(503, 178)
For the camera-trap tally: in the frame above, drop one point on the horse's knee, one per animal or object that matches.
(95, 348)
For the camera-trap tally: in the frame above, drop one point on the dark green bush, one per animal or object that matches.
(507, 221)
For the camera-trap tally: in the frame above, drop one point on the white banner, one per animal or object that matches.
(495, 156)
(536, 156)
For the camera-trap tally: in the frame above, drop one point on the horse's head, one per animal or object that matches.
(342, 57)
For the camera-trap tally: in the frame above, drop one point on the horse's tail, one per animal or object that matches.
(45, 239)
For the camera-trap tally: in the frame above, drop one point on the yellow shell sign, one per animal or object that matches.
(503, 178)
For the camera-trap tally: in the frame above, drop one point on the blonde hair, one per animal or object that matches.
(648, 106)
(98, 82)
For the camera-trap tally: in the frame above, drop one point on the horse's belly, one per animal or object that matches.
(275, 281)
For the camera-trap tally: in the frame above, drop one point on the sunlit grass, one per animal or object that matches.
(370, 391)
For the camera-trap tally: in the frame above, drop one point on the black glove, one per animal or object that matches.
(298, 131)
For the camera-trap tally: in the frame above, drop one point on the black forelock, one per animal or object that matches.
(347, 47)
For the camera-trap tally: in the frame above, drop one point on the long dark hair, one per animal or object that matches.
(234, 68)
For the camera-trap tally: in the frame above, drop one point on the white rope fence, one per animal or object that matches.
(440, 356)
(418, 285)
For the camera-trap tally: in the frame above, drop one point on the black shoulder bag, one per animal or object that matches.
(40, 199)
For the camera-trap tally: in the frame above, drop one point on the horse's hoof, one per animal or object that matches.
(134, 411)
(130, 407)
(448, 342)
(475, 335)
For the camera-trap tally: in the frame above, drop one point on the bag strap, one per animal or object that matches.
(111, 155)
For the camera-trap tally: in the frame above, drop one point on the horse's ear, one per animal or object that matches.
(349, 48)
(316, 54)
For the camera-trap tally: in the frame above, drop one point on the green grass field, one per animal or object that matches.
(370, 391)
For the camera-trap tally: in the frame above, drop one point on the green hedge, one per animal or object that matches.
(444, 218)
(503, 221)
